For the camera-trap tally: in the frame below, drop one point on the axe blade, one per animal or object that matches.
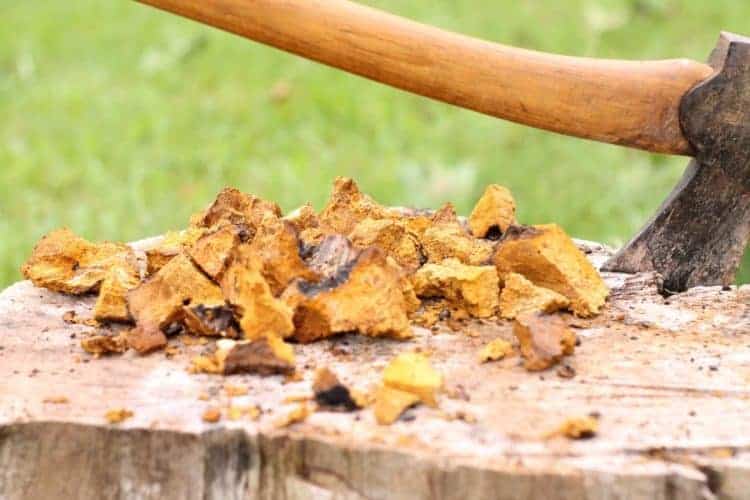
(700, 232)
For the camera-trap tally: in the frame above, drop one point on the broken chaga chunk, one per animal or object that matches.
(495, 351)
(277, 248)
(172, 244)
(364, 295)
(212, 250)
(245, 288)
(112, 303)
(157, 302)
(577, 428)
(544, 340)
(494, 213)
(237, 208)
(211, 415)
(392, 237)
(449, 241)
(117, 415)
(547, 257)
(298, 414)
(265, 356)
(331, 394)
(347, 207)
(390, 403)
(64, 262)
(520, 296)
(216, 321)
(146, 338)
(104, 344)
(472, 288)
(303, 218)
(412, 372)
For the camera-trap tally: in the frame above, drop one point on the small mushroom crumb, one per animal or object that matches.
(211, 415)
(234, 413)
(71, 317)
(57, 400)
(495, 351)
(577, 428)
(104, 344)
(544, 340)
(412, 372)
(331, 394)
(117, 415)
(566, 371)
(297, 398)
(171, 351)
(203, 396)
(298, 414)
(236, 389)
(237, 412)
(264, 356)
(390, 403)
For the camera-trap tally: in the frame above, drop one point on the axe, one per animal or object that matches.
(679, 106)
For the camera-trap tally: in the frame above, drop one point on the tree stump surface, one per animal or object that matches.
(668, 377)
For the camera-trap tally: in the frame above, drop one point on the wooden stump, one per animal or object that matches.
(668, 377)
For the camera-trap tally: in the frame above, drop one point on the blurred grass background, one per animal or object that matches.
(118, 120)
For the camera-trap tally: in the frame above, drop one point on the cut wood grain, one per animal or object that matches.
(668, 377)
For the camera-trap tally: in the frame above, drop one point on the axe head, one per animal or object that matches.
(700, 232)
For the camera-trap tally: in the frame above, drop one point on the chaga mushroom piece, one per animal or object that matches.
(471, 288)
(331, 394)
(577, 428)
(145, 338)
(494, 212)
(64, 262)
(347, 207)
(245, 288)
(392, 237)
(172, 244)
(267, 355)
(547, 257)
(413, 373)
(158, 301)
(232, 206)
(520, 296)
(212, 250)
(390, 403)
(364, 296)
(495, 351)
(451, 241)
(544, 340)
(112, 303)
(104, 344)
(278, 250)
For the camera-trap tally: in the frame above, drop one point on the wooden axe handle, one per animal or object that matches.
(632, 103)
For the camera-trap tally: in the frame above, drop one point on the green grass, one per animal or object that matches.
(118, 120)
